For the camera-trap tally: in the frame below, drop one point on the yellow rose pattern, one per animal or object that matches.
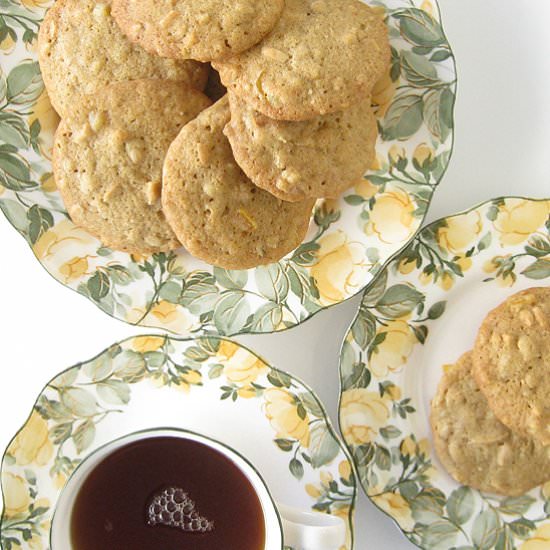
(397, 340)
(392, 217)
(332, 493)
(341, 269)
(397, 507)
(504, 242)
(241, 370)
(349, 240)
(363, 413)
(62, 427)
(518, 219)
(16, 491)
(288, 419)
(457, 234)
(540, 539)
(32, 444)
(45, 118)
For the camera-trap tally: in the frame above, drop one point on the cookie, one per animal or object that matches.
(475, 447)
(108, 157)
(81, 50)
(203, 30)
(322, 57)
(217, 213)
(512, 362)
(294, 161)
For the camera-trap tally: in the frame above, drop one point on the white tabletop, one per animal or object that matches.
(502, 148)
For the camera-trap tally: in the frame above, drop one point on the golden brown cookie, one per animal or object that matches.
(294, 161)
(201, 29)
(475, 447)
(81, 49)
(512, 362)
(217, 213)
(322, 57)
(108, 157)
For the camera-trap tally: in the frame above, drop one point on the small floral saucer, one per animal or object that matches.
(209, 385)
(421, 313)
(348, 240)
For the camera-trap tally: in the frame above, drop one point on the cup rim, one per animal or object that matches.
(172, 429)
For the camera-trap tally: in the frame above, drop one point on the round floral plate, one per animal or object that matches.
(420, 314)
(348, 240)
(208, 385)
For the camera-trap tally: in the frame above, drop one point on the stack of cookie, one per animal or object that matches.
(491, 414)
(236, 185)
(301, 124)
(121, 107)
(296, 124)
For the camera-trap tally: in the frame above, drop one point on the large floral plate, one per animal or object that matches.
(422, 312)
(209, 385)
(348, 241)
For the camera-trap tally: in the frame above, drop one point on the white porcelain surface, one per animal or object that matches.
(209, 386)
(421, 314)
(347, 242)
(502, 142)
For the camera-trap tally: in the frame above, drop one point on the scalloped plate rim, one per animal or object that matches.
(360, 485)
(331, 428)
(374, 272)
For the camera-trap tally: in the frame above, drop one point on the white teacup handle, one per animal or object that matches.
(312, 530)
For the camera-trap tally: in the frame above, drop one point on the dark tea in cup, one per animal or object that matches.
(167, 493)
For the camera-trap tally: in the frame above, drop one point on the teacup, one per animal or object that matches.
(284, 526)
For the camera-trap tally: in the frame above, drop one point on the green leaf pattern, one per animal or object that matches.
(181, 294)
(505, 243)
(75, 407)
